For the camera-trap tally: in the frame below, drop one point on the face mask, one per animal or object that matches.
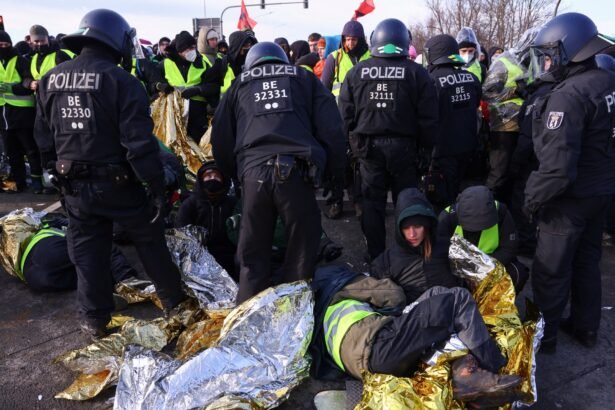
(190, 55)
(5, 52)
(213, 186)
(42, 49)
(466, 57)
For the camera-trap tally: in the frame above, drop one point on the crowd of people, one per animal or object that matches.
(511, 149)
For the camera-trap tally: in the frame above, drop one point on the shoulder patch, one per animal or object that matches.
(555, 119)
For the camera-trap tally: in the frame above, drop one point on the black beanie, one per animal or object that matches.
(4, 37)
(183, 41)
(467, 44)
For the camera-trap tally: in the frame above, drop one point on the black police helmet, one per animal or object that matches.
(605, 62)
(265, 52)
(575, 34)
(390, 39)
(106, 27)
(442, 49)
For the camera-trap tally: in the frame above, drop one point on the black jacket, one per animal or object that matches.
(405, 264)
(98, 114)
(18, 117)
(506, 251)
(276, 109)
(389, 97)
(573, 138)
(459, 93)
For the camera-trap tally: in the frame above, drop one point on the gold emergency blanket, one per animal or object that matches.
(15, 229)
(170, 115)
(431, 387)
(259, 357)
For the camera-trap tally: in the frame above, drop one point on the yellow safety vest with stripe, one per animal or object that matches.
(489, 238)
(476, 69)
(307, 67)
(9, 75)
(35, 239)
(342, 66)
(513, 72)
(48, 63)
(228, 80)
(338, 319)
(175, 78)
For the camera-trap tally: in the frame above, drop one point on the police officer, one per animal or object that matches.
(459, 94)
(98, 115)
(572, 188)
(388, 104)
(275, 130)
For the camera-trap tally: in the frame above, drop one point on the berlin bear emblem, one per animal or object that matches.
(555, 120)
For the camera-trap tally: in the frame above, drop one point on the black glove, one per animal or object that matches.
(158, 198)
(164, 87)
(191, 92)
(530, 211)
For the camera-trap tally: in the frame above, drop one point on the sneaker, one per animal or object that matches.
(471, 382)
(334, 211)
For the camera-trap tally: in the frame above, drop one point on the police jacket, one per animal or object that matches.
(98, 114)
(505, 235)
(459, 93)
(389, 97)
(406, 265)
(332, 284)
(15, 116)
(276, 109)
(573, 138)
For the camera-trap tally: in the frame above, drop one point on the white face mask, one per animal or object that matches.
(190, 55)
(467, 57)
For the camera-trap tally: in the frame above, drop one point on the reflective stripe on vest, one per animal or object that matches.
(307, 67)
(175, 78)
(338, 319)
(341, 69)
(9, 75)
(228, 80)
(489, 238)
(512, 72)
(36, 238)
(476, 69)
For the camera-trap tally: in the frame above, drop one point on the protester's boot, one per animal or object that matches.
(471, 382)
(94, 328)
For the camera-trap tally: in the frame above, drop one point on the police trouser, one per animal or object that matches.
(17, 143)
(501, 148)
(92, 208)
(567, 262)
(453, 168)
(439, 312)
(48, 266)
(265, 196)
(526, 229)
(390, 162)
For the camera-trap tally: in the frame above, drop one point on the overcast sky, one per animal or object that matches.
(156, 18)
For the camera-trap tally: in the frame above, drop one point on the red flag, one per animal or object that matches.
(245, 22)
(366, 7)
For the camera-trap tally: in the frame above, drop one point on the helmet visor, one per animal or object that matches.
(137, 51)
(547, 61)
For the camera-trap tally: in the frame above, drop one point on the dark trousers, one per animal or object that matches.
(17, 143)
(265, 197)
(48, 266)
(453, 168)
(92, 208)
(501, 148)
(439, 312)
(526, 229)
(567, 262)
(390, 162)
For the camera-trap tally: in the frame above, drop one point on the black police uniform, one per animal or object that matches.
(275, 122)
(459, 94)
(573, 133)
(102, 134)
(389, 107)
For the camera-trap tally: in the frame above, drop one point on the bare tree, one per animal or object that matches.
(495, 22)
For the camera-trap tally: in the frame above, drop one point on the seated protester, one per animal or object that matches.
(209, 206)
(356, 330)
(486, 223)
(416, 261)
(46, 266)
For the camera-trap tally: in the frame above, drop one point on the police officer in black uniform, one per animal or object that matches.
(98, 115)
(276, 130)
(459, 93)
(388, 104)
(573, 133)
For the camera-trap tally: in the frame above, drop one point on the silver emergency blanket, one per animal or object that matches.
(473, 266)
(260, 356)
(211, 284)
